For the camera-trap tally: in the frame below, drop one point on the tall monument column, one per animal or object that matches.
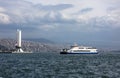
(18, 46)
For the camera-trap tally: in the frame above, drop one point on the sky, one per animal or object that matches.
(81, 21)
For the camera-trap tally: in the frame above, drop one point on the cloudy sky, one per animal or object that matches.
(81, 21)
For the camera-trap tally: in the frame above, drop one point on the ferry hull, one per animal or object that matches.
(78, 52)
(63, 53)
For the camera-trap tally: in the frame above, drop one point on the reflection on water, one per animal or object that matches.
(54, 65)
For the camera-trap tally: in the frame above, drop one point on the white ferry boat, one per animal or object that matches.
(75, 49)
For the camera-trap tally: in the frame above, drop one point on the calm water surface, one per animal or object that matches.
(54, 65)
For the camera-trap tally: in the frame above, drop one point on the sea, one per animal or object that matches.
(55, 65)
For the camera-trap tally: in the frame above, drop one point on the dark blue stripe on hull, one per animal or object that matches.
(81, 53)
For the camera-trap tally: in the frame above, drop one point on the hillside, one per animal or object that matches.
(9, 44)
(41, 40)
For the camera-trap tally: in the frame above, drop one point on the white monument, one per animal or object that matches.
(18, 45)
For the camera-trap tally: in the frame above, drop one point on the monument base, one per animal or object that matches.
(19, 49)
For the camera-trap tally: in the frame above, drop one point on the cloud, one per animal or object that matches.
(2, 9)
(28, 12)
(60, 19)
(4, 19)
(58, 7)
(86, 10)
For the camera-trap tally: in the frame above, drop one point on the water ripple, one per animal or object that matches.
(54, 65)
